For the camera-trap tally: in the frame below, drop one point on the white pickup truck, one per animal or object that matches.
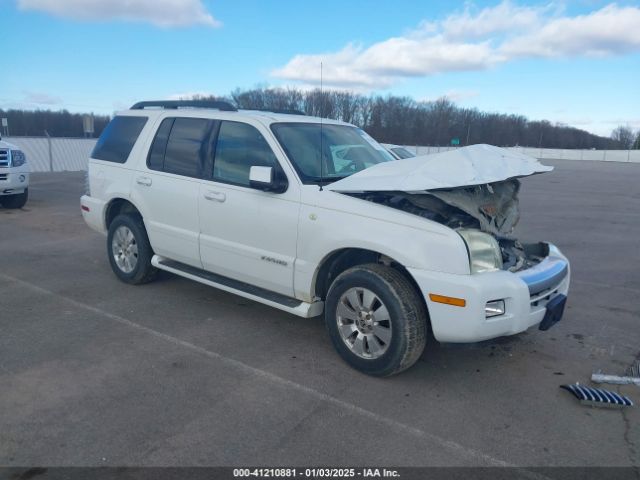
(14, 176)
(312, 216)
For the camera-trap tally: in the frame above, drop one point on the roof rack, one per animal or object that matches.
(174, 104)
(278, 110)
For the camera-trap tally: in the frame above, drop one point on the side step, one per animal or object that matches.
(261, 295)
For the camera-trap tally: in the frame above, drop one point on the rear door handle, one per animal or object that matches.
(146, 181)
(215, 196)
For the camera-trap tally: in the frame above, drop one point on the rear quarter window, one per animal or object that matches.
(118, 138)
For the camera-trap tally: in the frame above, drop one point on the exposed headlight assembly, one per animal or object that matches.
(18, 158)
(484, 251)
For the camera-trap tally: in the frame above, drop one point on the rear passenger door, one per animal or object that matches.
(248, 234)
(167, 190)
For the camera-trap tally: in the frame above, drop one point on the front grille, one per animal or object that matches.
(543, 297)
(597, 397)
(4, 158)
(3, 176)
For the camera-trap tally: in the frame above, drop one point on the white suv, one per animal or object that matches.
(309, 215)
(14, 176)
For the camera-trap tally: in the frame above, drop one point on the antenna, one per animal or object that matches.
(321, 139)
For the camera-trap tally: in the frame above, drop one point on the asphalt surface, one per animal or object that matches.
(94, 372)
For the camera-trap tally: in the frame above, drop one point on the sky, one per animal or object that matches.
(573, 62)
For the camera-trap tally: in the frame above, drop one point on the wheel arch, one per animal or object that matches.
(117, 206)
(337, 261)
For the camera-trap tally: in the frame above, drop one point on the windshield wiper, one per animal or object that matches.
(325, 180)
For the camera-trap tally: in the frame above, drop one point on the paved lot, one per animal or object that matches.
(95, 372)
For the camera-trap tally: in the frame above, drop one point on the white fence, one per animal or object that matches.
(55, 154)
(71, 154)
(627, 156)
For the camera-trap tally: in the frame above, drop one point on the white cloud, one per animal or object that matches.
(609, 31)
(380, 65)
(338, 70)
(163, 13)
(40, 98)
(631, 122)
(471, 40)
(504, 17)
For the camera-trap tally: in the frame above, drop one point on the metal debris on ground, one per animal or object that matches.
(634, 370)
(614, 379)
(630, 376)
(598, 397)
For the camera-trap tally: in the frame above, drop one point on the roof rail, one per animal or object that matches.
(278, 110)
(174, 104)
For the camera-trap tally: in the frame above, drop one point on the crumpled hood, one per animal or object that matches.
(466, 166)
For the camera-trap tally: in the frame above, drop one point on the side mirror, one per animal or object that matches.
(267, 179)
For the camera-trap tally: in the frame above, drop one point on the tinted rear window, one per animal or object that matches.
(188, 147)
(118, 138)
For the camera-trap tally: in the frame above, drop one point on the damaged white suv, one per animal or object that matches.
(313, 216)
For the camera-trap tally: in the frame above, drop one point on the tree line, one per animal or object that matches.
(37, 123)
(389, 119)
(405, 121)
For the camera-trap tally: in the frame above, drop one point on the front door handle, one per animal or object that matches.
(215, 196)
(146, 181)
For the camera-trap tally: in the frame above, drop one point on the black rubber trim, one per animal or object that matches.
(235, 284)
(554, 312)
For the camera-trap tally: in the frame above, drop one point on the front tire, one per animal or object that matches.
(129, 250)
(376, 320)
(17, 200)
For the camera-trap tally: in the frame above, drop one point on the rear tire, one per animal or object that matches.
(129, 250)
(376, 320)
(17, 200)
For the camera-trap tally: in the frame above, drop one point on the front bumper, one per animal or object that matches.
(525, 294)
(13, 181)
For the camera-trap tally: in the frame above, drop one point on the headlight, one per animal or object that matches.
(18, 158)
(484, 251)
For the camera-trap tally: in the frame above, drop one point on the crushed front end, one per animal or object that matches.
(513, 285)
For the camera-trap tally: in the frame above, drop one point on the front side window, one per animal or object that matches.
(118, 138)
(330, 152)
(240, 146)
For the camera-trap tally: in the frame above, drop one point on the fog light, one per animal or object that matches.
(494, 308)
(22, 178)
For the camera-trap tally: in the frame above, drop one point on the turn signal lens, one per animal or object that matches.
(456, 302)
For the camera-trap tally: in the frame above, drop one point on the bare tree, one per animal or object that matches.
(391, 119)
(624, 135)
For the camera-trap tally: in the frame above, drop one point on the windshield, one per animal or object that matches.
(345, 150)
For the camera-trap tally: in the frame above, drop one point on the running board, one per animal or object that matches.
(257, 294)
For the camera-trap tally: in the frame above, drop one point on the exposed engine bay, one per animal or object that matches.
(491, 208)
